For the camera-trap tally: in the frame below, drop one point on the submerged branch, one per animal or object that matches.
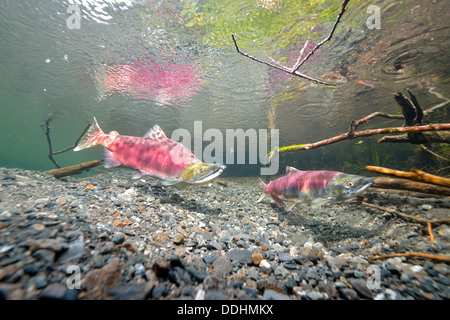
(425, 221)
(75, 169)
(415, 174)
(410, 254)
(413, 130)
(402, 184)
(294, 70)
(352, 134)
(46, 129)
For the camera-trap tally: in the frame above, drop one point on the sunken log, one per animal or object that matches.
(415, 174)
(402, 184)
(75, 169)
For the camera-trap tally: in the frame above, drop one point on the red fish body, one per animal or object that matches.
(315, 187)
(154, 155)
(151, 156)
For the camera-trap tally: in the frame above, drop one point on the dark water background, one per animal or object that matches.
(132, 64)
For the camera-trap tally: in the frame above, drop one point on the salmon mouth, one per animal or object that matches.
(201, 173)
(214, 173)
(364, 186)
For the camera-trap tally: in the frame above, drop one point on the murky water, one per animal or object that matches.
(132, 64)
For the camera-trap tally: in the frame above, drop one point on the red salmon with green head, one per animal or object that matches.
(153, 154)
(314, 187)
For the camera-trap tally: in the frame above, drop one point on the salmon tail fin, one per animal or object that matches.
(264, 194)
(89, 138)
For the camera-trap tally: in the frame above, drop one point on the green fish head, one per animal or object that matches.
(345, 186)
(198, 173)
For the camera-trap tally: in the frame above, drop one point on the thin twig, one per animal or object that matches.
(430, 231)
(413, 254)
(440, 96)
(46, 128)
(405, 215)
(278, 67)
(299, 63)
(365, 133)
(434, 153)
(341, 13)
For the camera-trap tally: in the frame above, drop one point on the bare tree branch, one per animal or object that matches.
(416, 133)
(46, 129)
(294, 70)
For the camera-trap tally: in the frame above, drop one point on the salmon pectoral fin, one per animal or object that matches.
(261, 198)
(290, 206)
(277, 199)
(138, 175)
(110, 160)
(170, 182)
(316, 203)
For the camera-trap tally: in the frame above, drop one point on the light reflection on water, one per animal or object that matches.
(136, 63)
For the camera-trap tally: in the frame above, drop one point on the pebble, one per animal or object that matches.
(240, 255)
(133, 240)
(222, 266)
(257, 257)
(119, 238)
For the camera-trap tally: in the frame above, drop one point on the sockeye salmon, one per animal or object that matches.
(154, 155)
(314, 187)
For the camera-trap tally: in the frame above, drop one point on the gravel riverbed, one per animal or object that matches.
(109, 237)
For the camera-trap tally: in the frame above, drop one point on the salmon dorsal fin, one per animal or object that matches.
(290, 170)
(155, 133)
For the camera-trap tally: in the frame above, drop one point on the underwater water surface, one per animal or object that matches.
(133, 64)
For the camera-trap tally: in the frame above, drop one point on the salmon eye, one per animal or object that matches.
(349, 184)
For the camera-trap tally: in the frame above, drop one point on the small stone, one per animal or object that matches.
(179, 239)
(265, 266)
(131, 291)
(39, 282)
(38, 226)
(160, 238)
(314, 295)
(139, 269)
(127, 195)
(50, 244)
(270, 294)
(53, 292)
(119, 238)
(360, 285)
(99, 281)
(348, 294)
(74, 251)
(257, 257)
(210, 258)
(31, 269)
(45, 255)
(282, 257)
(306, 254)
(242, 256)
(105, 247)
(222, 266)
(388, 294)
